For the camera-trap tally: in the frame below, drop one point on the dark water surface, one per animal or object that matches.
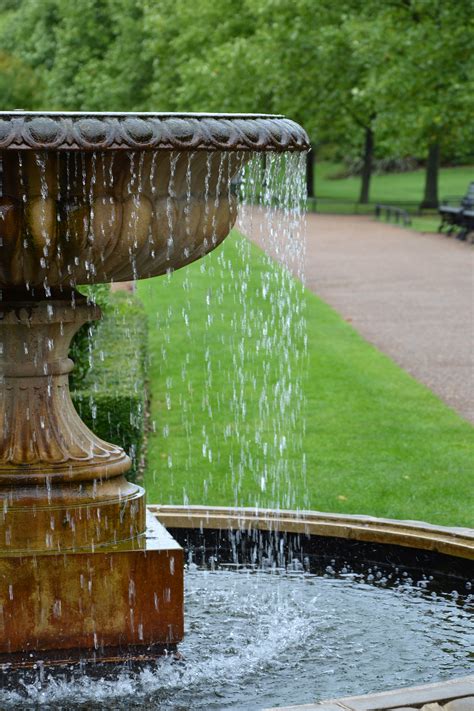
(261, 639)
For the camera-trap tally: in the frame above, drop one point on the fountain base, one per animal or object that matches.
(116, 602)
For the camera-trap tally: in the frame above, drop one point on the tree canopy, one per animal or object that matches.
(393, 78)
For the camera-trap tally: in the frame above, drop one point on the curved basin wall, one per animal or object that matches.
(80, 217)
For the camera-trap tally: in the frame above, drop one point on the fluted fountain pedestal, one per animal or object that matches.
(91, 199)
(79, 568)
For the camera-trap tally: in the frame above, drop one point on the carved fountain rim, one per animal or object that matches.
(446, 540)
(99, 131)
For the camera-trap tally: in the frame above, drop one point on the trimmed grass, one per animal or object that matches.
(374, 440)
(398, 187)
(340, 195)
(425, 223)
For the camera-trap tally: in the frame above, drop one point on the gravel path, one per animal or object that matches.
(410, 294)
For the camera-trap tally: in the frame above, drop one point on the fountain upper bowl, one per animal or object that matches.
(100, 197)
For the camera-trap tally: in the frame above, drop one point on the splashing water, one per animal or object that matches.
(256, 639)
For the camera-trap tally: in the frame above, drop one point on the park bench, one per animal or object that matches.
(458, 218)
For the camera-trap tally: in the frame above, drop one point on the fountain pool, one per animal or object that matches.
(274, 619)
(88, 574)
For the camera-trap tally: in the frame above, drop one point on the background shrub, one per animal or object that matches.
(82, 343)
(111, 393)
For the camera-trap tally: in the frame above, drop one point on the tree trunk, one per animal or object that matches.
(310, 173)
(367, 166)
(430, 197)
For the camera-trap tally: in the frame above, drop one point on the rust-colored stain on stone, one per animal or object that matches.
(79, 569)
(109, 598)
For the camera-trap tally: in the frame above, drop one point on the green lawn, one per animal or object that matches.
(403, 189)
(230, 426)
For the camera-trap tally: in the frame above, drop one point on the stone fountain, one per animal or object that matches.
(89, 199)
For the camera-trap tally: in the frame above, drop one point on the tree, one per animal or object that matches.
(91, 53)
(282, 56)
(348, 102)
(204, 59)
(19, 87)
(426, 87)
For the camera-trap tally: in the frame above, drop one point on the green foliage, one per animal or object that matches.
(91, 53)
(376, 441)
(83, 342)
(421, 55)
(112, 396)
(204, 56)
(19, 87)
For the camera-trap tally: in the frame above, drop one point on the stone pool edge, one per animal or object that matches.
(453, 695)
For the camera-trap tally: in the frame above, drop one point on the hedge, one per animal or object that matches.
(112, 396)
(81, 346)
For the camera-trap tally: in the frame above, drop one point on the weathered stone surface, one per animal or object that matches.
(79, 573)
(92, 602)
(466, 704)
(416, 534)
(146, 131)
(113, 216)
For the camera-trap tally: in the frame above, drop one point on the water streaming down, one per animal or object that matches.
(94, 217)
(268, 448)
(273, 204)
(238, 397)
(72, 218)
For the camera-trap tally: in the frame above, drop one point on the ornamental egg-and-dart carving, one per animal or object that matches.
(147, 132)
